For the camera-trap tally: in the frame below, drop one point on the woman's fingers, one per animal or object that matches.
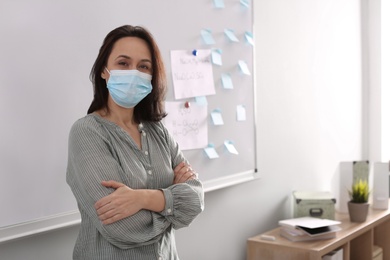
(183, 172)
(112, 184)
(120, 204)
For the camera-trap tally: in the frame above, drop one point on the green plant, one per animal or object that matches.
(359, 192)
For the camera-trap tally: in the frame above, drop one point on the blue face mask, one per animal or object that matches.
(128, 87)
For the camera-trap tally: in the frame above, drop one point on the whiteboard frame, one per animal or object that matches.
(39, 226)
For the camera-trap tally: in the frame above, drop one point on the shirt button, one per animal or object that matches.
(143, 133)
(160, 258)
(169, 210)
(150, 172)
(146, 152)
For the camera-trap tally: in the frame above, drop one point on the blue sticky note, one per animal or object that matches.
(201, 100)
(227, 82)
(241, 113)
(211, 152)
(244, 3)
(216, 116)
(243, 67)
(216, 57)
(207, 36)
(231, 36)
(249, 38)
(230, 147)
(219, 4)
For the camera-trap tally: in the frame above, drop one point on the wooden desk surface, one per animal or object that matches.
(348, 232)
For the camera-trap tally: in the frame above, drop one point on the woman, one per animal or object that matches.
(132, 183)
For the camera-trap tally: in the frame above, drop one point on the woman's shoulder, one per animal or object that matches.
(89, 122)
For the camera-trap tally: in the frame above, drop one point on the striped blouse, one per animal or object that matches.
(100, 150)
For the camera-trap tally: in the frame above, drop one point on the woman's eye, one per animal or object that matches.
(144, 67)
(122, 63)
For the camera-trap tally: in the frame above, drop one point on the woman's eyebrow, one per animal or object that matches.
(128, 57)
(146, 60)
(123, 56)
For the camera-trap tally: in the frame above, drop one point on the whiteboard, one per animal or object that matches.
(47, 51)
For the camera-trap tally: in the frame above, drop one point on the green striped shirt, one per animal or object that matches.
(100, 150)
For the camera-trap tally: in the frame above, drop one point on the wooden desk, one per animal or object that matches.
(356, 239)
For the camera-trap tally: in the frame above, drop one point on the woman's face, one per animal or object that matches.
(129, 53)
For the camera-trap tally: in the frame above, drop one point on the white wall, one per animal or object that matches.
(310, 102)
(379, 80)
(385, 77)
(375, 102)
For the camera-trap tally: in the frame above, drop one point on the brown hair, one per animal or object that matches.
(151, 108)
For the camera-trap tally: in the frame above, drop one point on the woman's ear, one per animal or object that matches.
(105, 74)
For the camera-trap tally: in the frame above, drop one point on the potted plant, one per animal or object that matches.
(358, 205)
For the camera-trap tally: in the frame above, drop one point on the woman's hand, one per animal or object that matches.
(122, 203)
(183, 172)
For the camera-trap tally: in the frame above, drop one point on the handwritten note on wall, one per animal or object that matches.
(188, 125)
(192, 75)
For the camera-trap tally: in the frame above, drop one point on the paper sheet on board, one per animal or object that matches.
(187, 125)
(192, 75)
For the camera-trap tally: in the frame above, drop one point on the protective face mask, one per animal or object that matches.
(128, 87)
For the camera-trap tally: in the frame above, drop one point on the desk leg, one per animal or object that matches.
(382, 238)
(346, 254)
(361, 246)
